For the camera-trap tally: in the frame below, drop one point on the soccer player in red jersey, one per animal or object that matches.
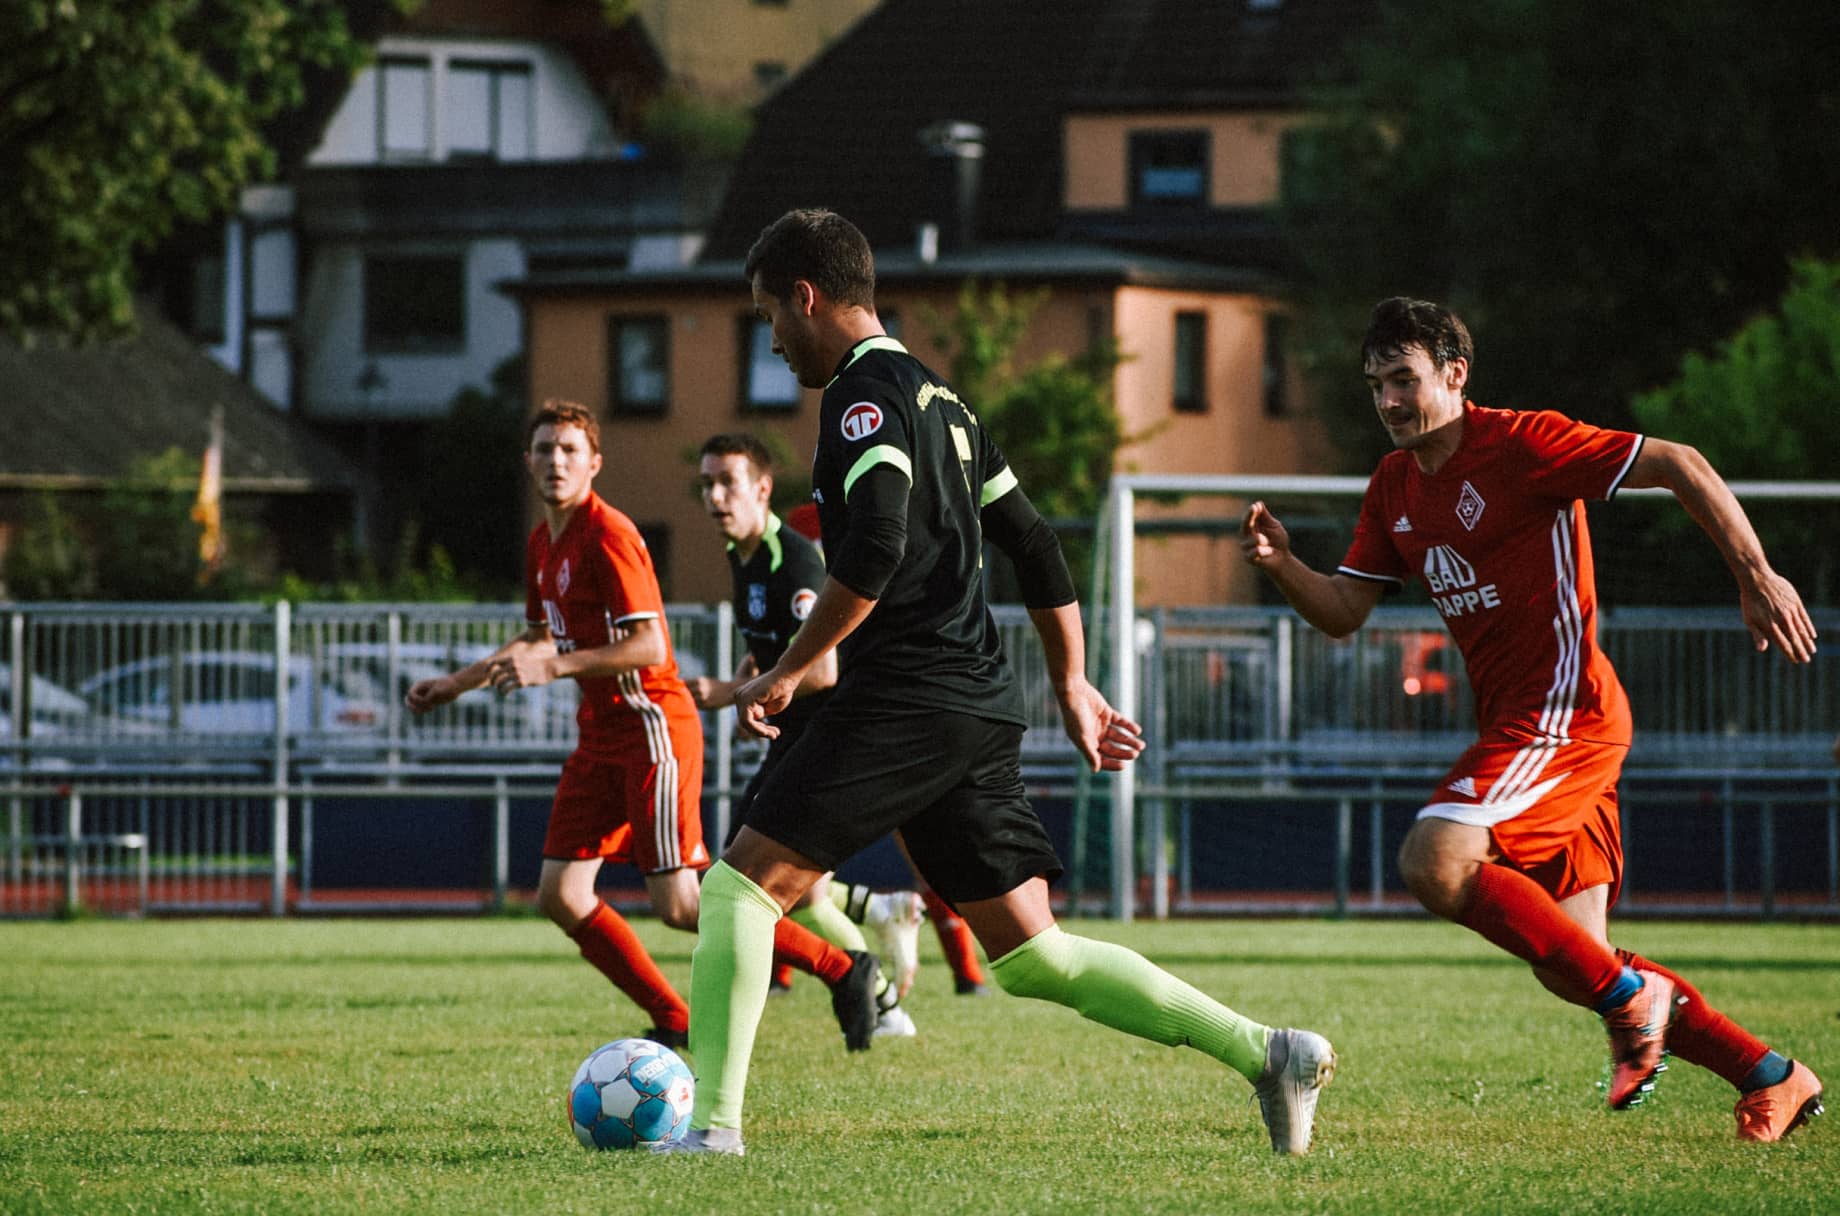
(630, 792)
(1521, 842)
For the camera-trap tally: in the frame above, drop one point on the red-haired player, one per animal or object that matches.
(631, 790)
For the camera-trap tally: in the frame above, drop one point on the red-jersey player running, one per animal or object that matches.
(1520, 842)
(630, 791)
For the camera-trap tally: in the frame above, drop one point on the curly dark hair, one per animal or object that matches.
(1400, 322)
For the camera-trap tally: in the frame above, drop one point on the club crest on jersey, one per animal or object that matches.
(1469, 507)
(861, 420)
(802, 601)
(757, 600)
(562, 578)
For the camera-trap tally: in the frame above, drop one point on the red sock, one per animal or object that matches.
(1701, 1034)
(954, 938)
(782, 976)
(797, 946)
(607, 941)
(1518, 915)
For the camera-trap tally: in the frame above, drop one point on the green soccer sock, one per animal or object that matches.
(729, 973)
(830, 922)
(1122, 989)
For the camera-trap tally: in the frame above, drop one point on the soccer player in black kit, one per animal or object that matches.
(923, 731)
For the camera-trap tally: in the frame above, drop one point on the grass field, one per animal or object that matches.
(419, 1066)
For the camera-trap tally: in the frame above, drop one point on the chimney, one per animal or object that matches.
(951, 177)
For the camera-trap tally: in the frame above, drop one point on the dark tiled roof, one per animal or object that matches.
(844, 132)
(78, 415)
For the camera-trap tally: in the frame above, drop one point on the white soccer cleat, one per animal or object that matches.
(714, 1141)
(895, 1023)
(895, 917)
(1298, 1063)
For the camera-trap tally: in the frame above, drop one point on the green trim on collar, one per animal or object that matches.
(877, 342)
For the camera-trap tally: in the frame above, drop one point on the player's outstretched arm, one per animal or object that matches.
(711, 693)
(430, 694)
(1772, 608)
(1334, 603)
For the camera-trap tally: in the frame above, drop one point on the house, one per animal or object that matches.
(76, 417)
(739, 51)
(1121, 154)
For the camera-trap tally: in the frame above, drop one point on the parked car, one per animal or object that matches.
(52, 708)
(232, 693)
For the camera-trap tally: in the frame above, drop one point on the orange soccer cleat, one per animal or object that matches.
(1776, 1110)
(1638, 1040)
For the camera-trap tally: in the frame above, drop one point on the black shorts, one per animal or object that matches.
(789, 735)
(951, 783)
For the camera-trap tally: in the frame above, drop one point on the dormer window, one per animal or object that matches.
(1169, 168)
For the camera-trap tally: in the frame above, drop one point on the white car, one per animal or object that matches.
(233, 693)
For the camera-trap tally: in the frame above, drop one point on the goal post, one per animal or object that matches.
(1114, 617)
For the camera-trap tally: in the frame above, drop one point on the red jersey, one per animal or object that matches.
(587, 585)
(1498, 535)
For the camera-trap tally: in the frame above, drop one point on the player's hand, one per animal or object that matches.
(1105, 738)
(762, 697)
(427, 695)
(1263, 540)
(711, 693)
(1774, 613)
(524, 665)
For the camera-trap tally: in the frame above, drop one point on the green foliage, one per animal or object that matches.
(119, 121)
(1768, 403)
(681, 125)
(147, 544)
(407, 1066)
(49, 558)
(470, 506)
(432, 579)
(1596, 189)
(1054, 420)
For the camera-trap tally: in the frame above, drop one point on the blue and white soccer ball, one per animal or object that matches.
(630, 1093)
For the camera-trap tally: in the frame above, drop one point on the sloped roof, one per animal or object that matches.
(76, 416)
(844, 132)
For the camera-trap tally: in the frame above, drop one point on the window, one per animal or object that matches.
(1169, 168)
(414, 304)
(639, 352)
(204, 305)
(766, 382)
(657, 538)
(769, 74)
(1277, 338)
(404, 113)
(1191, 362)
(488, 111)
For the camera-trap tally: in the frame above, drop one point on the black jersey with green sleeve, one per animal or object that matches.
(930, 640)
(774, 591)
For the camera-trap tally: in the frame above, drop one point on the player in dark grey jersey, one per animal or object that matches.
(923, 731)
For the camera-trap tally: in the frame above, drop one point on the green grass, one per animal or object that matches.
(419, 1065)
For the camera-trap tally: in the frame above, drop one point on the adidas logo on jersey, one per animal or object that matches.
(1402, 524)
(1465, 786)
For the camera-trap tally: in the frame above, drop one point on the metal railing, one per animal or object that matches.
(1238, 701)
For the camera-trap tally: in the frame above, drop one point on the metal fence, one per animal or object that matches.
(213, 757)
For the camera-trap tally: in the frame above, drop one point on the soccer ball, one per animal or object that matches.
(630, 1093)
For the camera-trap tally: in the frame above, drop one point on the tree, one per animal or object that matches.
(1595, 188)
(120, 119)
(1054, 419)
(1764, 405)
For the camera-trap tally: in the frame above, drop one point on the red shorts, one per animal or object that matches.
(1550, 806)
(627, 804)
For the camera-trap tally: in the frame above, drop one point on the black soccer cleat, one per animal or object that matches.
(965, 987)
(853, 1000)
(673, 1039)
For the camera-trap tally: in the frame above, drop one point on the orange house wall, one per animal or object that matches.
(649, 463)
